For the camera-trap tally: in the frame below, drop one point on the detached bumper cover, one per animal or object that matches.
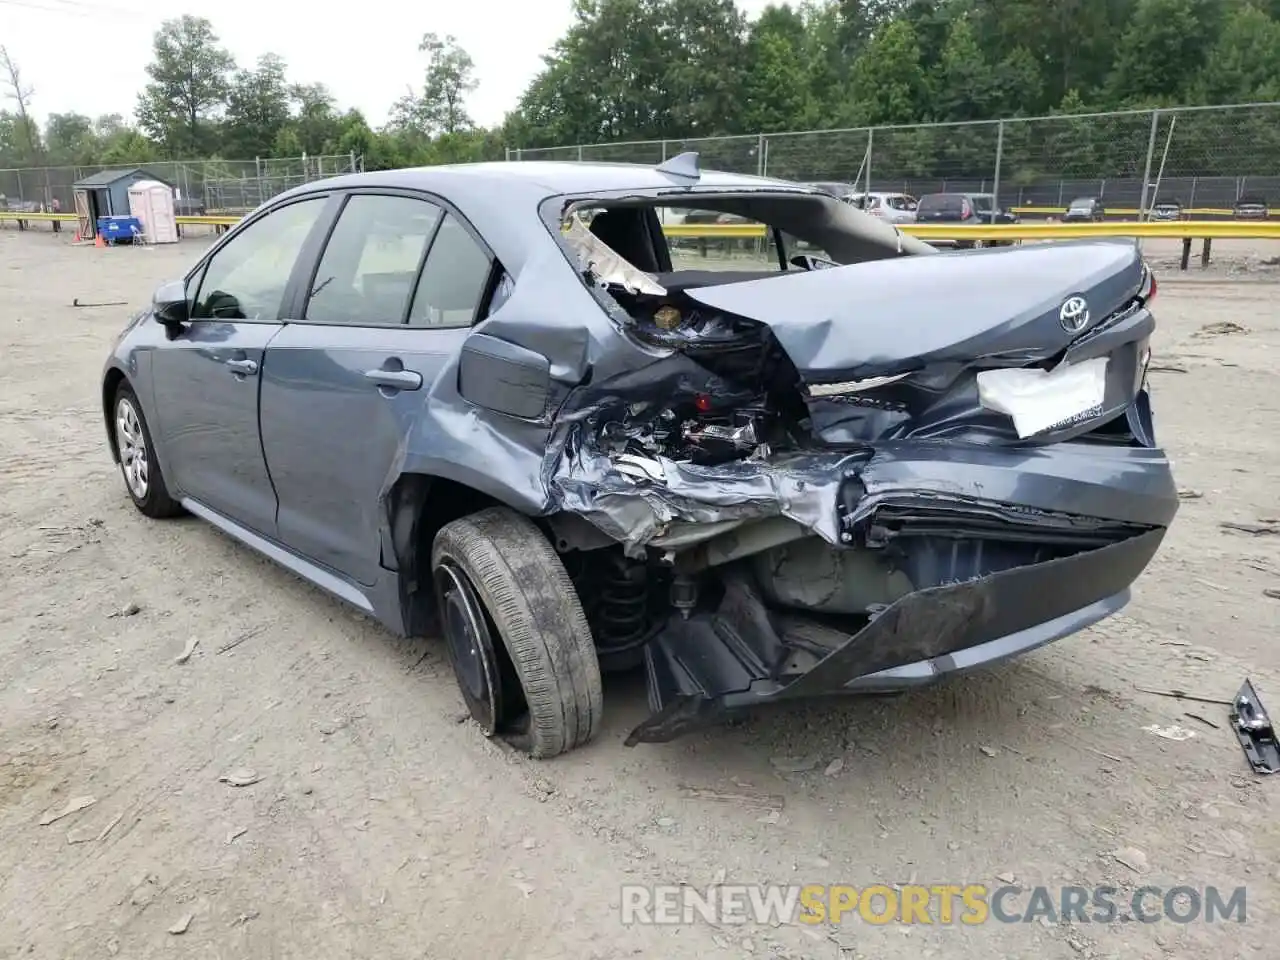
(715, 664)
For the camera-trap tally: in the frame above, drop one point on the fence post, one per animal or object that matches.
(1146, 171)
(664, 150)
(1192, 201)
(17, 175)
(995, 185)
(507, 154)
(760, 162)
(353, 161)
(870, 135)
(579, 153)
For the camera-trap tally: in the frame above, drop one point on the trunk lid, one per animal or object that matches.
(891, 316)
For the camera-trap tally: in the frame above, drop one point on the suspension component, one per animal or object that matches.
(622, 607)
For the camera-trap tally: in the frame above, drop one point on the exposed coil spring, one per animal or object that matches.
(622, 608)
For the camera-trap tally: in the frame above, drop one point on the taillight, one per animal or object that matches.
(1149, 285)
(965, 210)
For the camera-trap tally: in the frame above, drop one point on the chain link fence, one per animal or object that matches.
(203, 186)
(1205, 158)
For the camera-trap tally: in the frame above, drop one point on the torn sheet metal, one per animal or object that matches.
(604, 264)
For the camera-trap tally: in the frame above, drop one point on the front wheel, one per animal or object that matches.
(516, 634)
(138, 465)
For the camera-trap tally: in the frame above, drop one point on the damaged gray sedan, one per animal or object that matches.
(546, 411)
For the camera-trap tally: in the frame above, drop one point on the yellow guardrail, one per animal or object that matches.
(1179, 229)
(1211, 229)
(1130, 211)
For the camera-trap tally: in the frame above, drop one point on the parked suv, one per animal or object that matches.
(975, 209)
(890, 207)
(1167, 210)
(1085, 210)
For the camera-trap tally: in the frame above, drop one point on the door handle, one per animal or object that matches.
(243, 367)
(395, 379)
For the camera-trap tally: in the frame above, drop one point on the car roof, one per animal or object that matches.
(501, 199)
(545, 178)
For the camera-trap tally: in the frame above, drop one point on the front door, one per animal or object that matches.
(342, 387)
(206, 379)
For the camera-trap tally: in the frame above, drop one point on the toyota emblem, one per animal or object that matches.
(1074, 314)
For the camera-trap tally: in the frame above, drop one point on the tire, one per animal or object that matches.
(543, 676)
(143, 479)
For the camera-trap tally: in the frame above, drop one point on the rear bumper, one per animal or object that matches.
(714, 665)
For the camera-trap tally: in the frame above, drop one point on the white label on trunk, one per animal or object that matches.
(1040, 400)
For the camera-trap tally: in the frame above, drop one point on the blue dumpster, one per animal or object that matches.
(116, 228)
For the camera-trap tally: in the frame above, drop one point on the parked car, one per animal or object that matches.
(1085, 210)
(890, 207)
(967, 208)
(1166, 210)
(440, 396)
(1251, 208)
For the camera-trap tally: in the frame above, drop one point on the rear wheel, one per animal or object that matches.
(138, 465)
(516, 634)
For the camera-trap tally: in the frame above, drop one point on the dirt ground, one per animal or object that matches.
(382, 826)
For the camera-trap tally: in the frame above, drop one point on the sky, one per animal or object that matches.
(366, 52)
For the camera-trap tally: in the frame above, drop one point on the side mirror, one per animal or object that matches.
(169, 303)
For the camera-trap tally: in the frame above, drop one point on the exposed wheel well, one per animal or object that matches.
(417, 507)
(110, 384)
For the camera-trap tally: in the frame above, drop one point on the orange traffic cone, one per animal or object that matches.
(97, 240)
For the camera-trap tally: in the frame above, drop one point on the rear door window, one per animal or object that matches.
(951, 203)
(453, 280)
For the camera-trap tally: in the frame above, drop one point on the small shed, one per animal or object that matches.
(152, 203)
(105, 194)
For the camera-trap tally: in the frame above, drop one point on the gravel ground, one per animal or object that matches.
(382, 826)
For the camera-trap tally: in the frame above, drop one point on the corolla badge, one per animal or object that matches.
(1074, 314)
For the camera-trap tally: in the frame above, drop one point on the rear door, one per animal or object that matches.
(206, 377)
(393, 296)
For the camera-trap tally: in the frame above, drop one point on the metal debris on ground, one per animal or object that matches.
(187, 651)
(1171, 732)
(1266, 527)
(74, 805)
(795, 764)
(1131, 857)
(240, 778)
(247, 635)
(1205, 720)
(1254, 730)
(1183, 695)
(1186, 493)
(128, 610)
(181, 926)
(77, 302)
(746, 798)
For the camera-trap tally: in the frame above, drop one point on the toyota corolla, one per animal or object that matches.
(499, 404)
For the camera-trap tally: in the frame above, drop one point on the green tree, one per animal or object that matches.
(1244, 65)
(965, 85)
(775, 90)
(70, 140)
(888, 83)
(23, 131)
(188, 87)
(1160, 52)
(257, 109)
(441, 106)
